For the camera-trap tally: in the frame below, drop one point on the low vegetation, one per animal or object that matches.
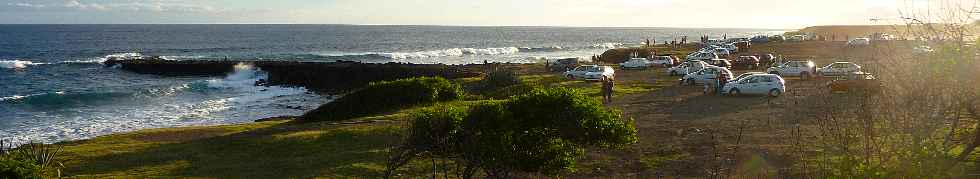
(542, 132)
(30, 160)
(386, 96)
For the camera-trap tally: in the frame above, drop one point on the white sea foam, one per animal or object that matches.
(451, 52)
(107, 57)
(17, 64)
(607, 45)
(229, 100)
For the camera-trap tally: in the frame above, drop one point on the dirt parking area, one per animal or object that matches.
(685, 133)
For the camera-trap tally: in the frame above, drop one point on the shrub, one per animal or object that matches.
(544, 131)
(12, 168)
(30, 160)
(499, 78)
(386, 96)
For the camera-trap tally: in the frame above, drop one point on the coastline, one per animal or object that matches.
(356, 148)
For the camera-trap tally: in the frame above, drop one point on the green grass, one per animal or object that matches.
(274, 149)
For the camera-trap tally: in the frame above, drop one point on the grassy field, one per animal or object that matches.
(275, 149)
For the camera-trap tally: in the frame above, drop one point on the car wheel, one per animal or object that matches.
(734, 92)
(805, 76)
(570, 76)
(775, 93)
(673, 73)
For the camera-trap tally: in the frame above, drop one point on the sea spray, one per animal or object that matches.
(17, 64)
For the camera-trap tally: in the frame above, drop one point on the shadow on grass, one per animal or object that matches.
(275, 152)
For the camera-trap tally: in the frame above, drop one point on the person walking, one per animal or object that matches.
(607, 90)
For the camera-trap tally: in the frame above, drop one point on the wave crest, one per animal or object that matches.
(17, 64)
(451, 52)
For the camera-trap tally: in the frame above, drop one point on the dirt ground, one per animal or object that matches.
(684, 133)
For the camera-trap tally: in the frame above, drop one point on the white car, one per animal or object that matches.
(859, 42)
(802, 69)
(636, 63)
(757, 84)
(702, 56)
(922, 50)
(686, 67)
(743, 75)
(838, 69)
(665, 61)
(706, 75)
(591, 73)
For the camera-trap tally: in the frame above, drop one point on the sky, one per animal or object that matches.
(774, 14)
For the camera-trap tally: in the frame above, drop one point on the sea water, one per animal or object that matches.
(53, 86)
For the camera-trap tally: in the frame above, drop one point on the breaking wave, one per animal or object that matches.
(17, 64)
(451, 52)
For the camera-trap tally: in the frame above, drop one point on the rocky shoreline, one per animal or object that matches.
(322, 77)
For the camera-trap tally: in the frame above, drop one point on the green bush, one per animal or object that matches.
(11, 168)
(499, 78)
(544, 131)
(386, 96)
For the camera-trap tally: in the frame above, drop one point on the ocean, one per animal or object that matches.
(54, 88)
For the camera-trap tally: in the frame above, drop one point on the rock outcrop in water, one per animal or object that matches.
(327, 77)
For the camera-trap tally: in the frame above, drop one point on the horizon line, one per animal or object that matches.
(432, 25)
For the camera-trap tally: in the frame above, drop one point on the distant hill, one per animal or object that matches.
(853, 31)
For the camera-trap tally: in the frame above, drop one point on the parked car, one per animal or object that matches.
(796, 38)
(777, 38)
(732, 48)
(859, 42)
(591, 73)
(760, 39)
(563, 64)
(922, 50)
(636, 63)
(706, 75)
(686, 67)
(665, 61)
(702, 56)
(724, 63)
(746, 62)
(838, 68)
(756, 84)
(722, 51)
(743, 75)
(803, 69)
(859, 81)
(766, 59)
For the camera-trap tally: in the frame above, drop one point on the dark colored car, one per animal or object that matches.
(856, 82)
(746, 62)
(562, 65)
(720, 63)
(767, 59)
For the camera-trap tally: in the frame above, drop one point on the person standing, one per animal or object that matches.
(722, 81)
(607, 90)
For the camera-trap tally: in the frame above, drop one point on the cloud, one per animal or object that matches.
(130, 5)
(26, 5)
